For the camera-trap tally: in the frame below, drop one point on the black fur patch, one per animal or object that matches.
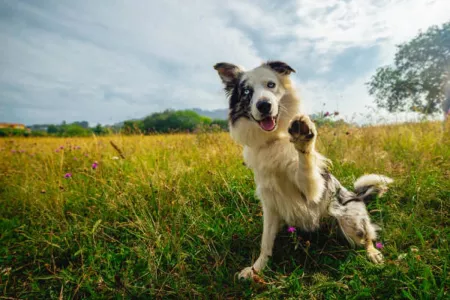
(280, 67)
(239, 102)
(344, 196)
(368, 193)
(355, 199)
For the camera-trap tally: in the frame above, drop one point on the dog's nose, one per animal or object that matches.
(264, 106)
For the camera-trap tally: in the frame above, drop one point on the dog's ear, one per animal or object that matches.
(280, 67)
(227, 72)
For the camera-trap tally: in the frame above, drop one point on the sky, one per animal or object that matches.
(108, 61)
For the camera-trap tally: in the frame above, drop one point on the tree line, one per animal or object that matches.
(168, 121)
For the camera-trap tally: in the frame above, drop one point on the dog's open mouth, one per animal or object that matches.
(268, 123)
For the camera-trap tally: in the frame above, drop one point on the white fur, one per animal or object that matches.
(372, 179)
(258, 79)
(288, 181)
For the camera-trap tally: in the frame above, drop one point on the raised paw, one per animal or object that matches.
(375, 256)
(302, 131)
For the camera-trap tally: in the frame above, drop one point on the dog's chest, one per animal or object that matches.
(278, 192)
(281, 195)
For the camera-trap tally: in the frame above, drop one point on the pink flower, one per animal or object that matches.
(326, 114)
(291, 229)
(68, 175)
(95, 165)
(379, 245)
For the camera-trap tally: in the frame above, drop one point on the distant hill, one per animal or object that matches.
(221, 114)
(217, 114)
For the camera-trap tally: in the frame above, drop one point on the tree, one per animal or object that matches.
(99, 130)
(52, 129)
(223, 124)
(84, 124)
(133, 126)
(169, 120)
(75, 130)
(417, 80)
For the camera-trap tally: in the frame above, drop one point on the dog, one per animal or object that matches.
(292, 178)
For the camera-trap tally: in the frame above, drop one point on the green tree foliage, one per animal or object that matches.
(75, 130)
(99, 130)
(8, 132)
(84, 124)
(223, 124)
(171, 121)
(133, 127)
(419, 75)
(52, 129)
(161, 122)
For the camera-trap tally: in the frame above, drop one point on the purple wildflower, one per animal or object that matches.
(77, 147)
(21, 151)
(379, 245)
(68, 175)
(75, 158)
(13, 151)
(291, 229)
(327, 114)
(95, 165)
(61, 147)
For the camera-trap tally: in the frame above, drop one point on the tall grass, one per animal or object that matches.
(177, 218)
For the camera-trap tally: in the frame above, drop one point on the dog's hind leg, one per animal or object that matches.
(355, 223)
(350, 210)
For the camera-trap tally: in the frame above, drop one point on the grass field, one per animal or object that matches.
(177, 218)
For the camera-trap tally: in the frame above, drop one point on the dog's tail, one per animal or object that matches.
(367, 187)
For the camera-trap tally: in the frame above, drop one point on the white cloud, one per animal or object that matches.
(151, 57)
(108, 61)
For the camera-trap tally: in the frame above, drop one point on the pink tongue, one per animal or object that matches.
(267, 123)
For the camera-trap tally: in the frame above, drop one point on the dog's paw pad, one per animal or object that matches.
(302, 127)
(375, 256)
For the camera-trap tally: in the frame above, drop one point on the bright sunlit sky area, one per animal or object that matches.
(108, 61)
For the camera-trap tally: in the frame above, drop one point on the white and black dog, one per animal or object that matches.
(292, 178)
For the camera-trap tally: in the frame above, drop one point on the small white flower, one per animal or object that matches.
(402, 256)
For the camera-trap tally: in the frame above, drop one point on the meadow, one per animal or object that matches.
(175, 216)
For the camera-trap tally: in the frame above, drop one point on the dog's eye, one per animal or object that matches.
(271, 84)
(246, 91)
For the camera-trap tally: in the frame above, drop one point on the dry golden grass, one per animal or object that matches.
(177, 217)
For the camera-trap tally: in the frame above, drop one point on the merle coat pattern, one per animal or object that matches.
(292, 179)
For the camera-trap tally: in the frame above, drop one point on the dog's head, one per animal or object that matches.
(259, 99)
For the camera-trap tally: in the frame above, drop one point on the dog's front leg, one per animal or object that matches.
(270, 230)
(307, 174)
